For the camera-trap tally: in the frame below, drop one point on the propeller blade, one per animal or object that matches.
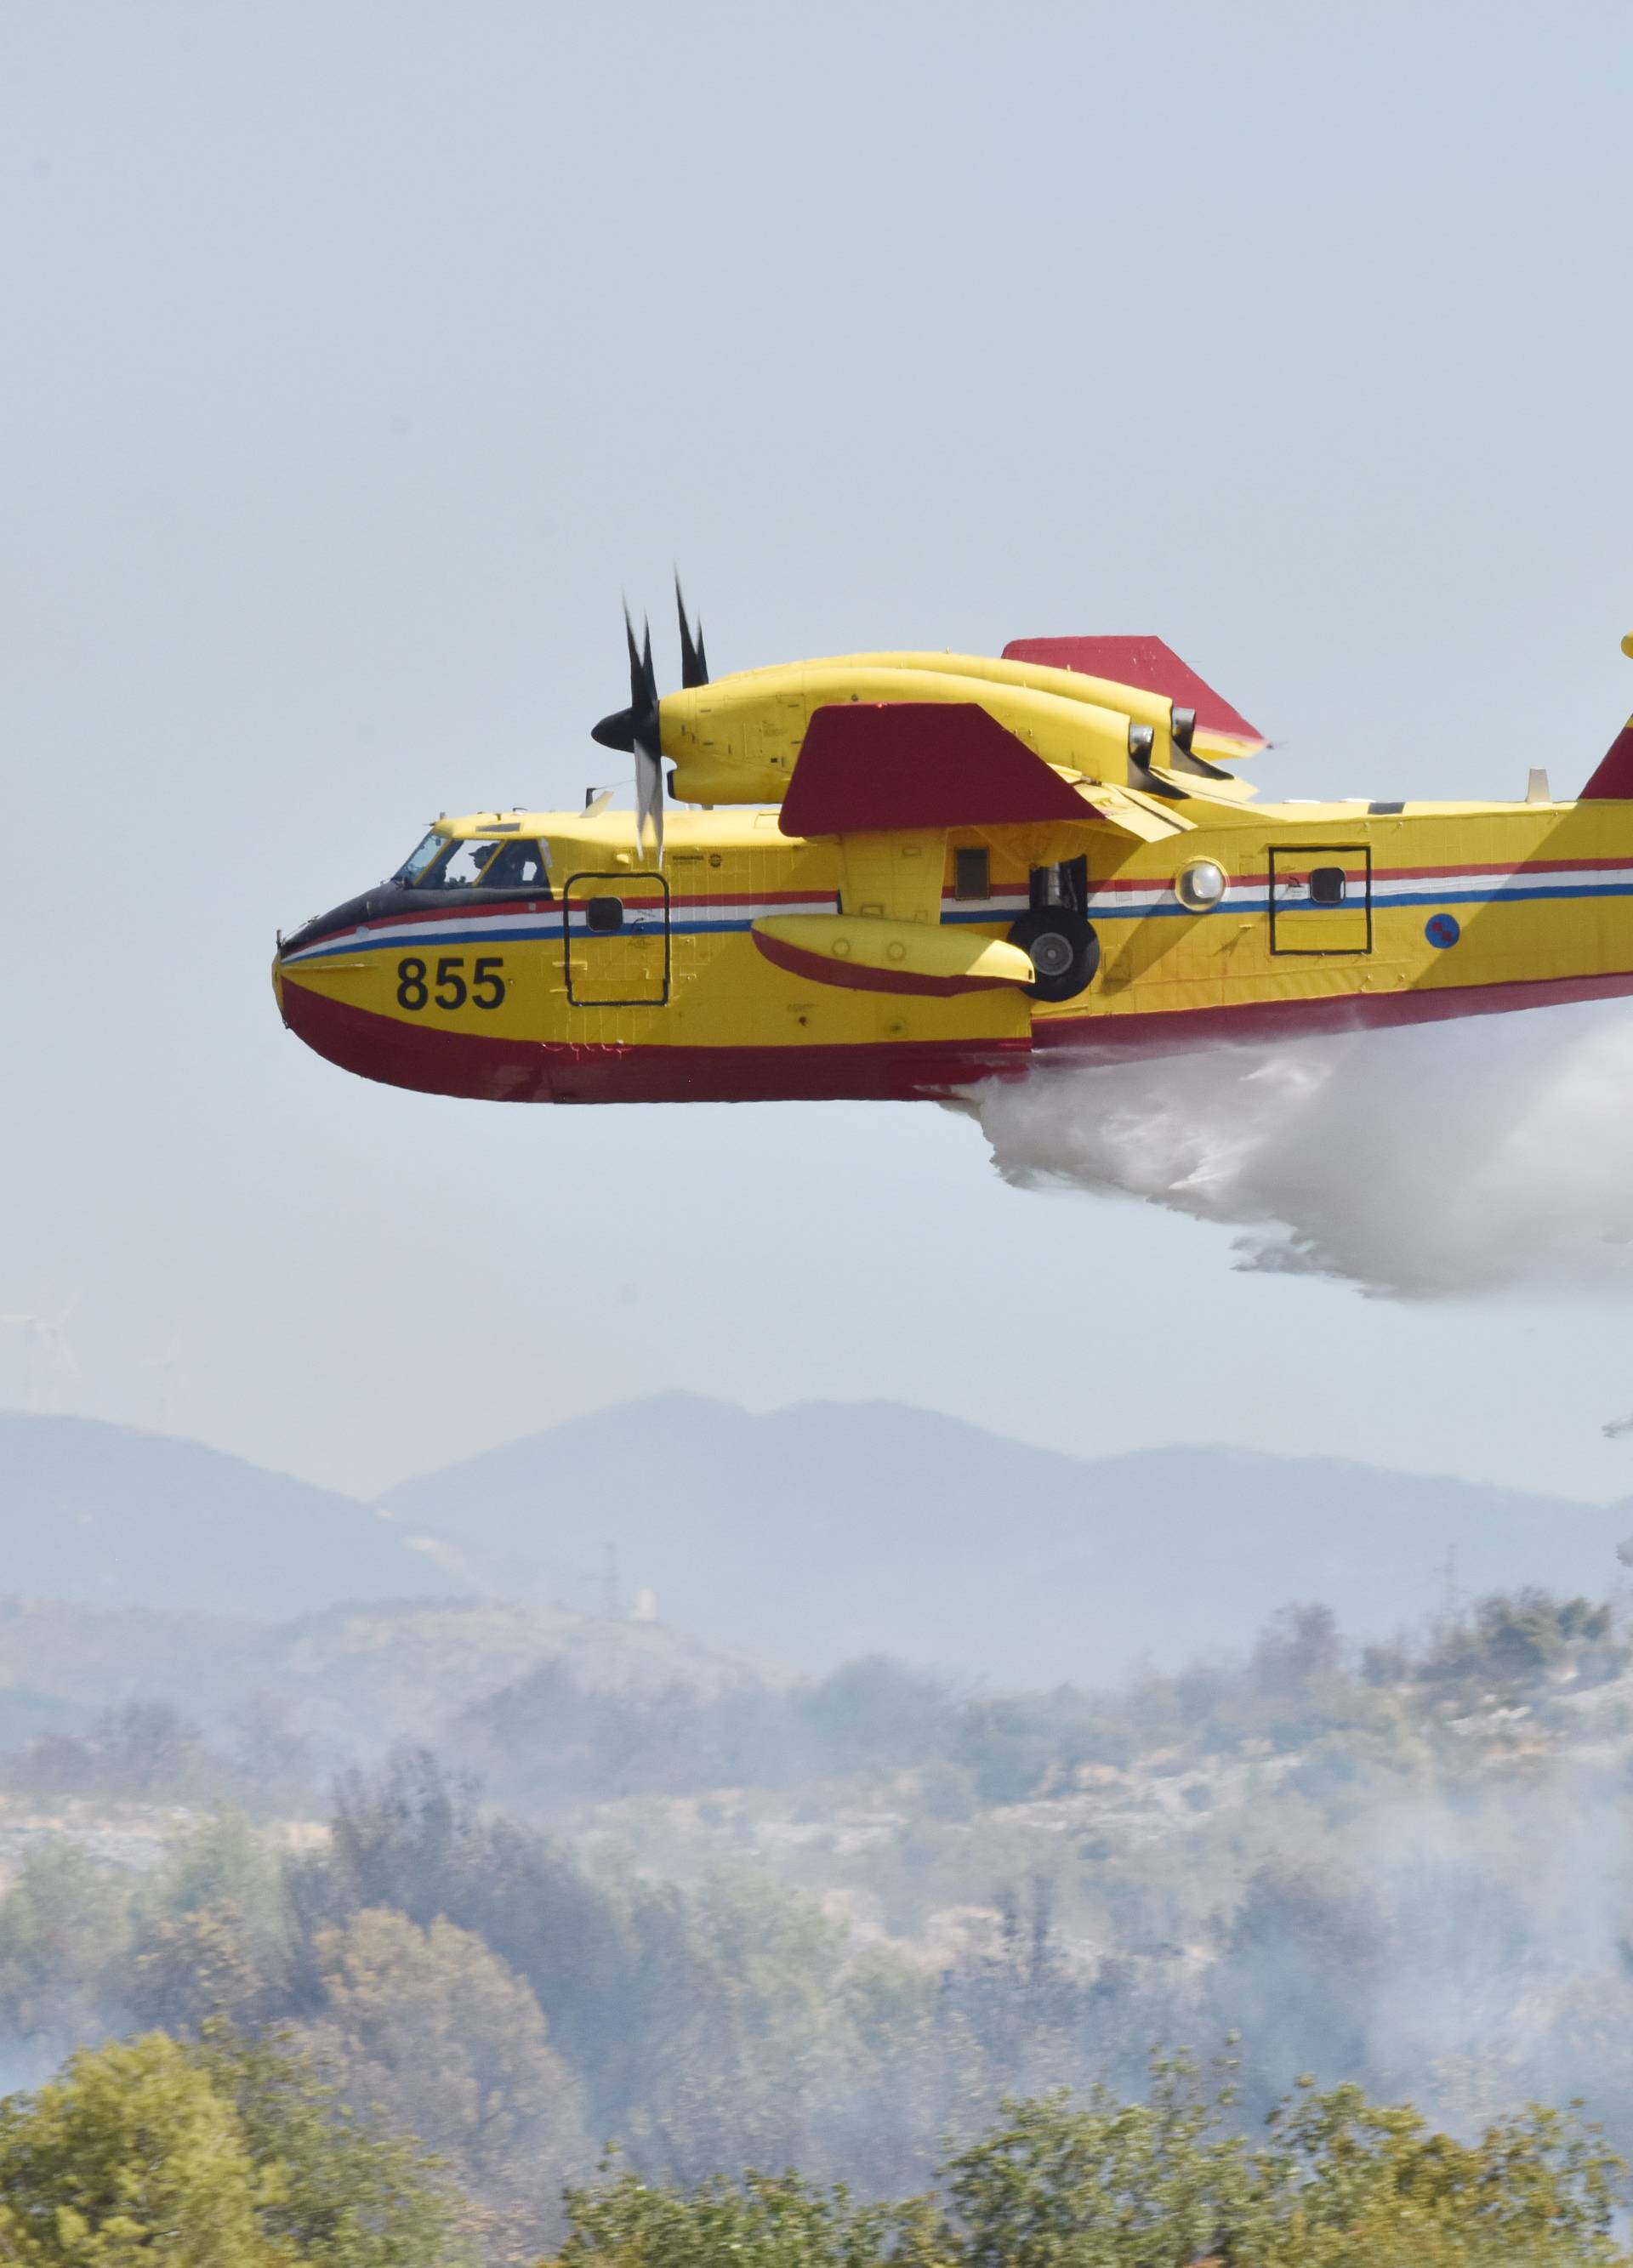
(648, 675)
(649, 798)
(694, 661)
(617, 731)
(648, 743)
(636, 731)
(638, 672)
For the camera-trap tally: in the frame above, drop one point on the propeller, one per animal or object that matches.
(635, 730)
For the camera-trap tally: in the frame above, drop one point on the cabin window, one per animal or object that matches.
(1326, 886)
(604, 914)
(520, 866)
(971, 876)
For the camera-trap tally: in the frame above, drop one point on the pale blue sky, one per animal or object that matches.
(355, 358)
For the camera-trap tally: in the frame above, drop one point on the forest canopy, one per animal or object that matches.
(848, 1932)
(227, 2152)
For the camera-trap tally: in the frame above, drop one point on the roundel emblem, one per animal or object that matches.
(1443, 930)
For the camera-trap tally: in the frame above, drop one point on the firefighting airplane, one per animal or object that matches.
(905, 872)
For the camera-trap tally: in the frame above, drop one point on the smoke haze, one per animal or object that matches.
(1416, 1164)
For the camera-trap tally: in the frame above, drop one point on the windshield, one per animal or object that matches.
(462, 866)
(415, 865)
(479, 863)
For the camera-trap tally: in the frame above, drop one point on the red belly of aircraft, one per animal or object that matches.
(433, 1062)
(511, 1070)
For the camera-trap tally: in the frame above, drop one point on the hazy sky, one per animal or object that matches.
(354, 357)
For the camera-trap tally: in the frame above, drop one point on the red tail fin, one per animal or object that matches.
(1149, 664)
(1613, 781)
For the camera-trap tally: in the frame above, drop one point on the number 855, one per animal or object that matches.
(486, 990)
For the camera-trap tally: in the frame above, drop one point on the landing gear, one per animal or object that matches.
(1064, 949)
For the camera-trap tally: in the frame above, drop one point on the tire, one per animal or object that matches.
(1064, 951)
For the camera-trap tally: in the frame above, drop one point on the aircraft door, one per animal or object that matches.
(1321, 899)
(616, 939)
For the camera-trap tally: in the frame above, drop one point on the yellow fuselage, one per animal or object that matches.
(623, 976)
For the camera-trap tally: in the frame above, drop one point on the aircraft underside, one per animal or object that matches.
(479, 1068)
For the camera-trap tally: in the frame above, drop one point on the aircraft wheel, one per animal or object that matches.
(1064, 949)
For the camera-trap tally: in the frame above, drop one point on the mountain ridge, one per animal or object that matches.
(979, 1551)
(801, 1536)
(102, 1515)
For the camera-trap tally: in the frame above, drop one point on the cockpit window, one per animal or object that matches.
(477, 863)
(463, 866)
(520, 866)
(415, 865)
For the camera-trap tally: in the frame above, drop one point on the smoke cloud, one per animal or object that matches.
(1416, 1164)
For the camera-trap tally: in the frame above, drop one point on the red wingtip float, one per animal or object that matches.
(903, 872)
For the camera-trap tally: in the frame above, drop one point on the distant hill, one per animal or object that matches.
(799, 1539)
(108, 1516)
(828, 1530)
(358, 1678)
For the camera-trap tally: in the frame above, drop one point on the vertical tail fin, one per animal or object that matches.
(1613, 781)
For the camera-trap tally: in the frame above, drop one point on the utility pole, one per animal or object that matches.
(1448, 1584)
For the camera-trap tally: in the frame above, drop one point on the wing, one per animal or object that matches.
(888, 781)
(873, 767)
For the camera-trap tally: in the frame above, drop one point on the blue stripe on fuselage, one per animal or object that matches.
(1100, 909)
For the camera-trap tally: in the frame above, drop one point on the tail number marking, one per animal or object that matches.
(486, 988)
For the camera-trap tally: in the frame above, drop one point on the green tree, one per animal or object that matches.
(337, 2191)
(1346, 2184)
(1107, 2185)
(1511, 1641)
(224, 2154)
(64, 1928)
(212, 1931)
(759, 2222)
(1338, 2182)
(191, 1966)
(131, 2155)
(428, 2029)
(221, 1860)
(144, 1752)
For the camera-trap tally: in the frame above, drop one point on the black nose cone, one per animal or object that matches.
(617, 730)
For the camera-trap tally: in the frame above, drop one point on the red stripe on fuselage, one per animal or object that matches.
(1104, 886)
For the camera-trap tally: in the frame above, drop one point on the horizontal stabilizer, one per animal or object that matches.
(1151, 665)
(874, 767)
